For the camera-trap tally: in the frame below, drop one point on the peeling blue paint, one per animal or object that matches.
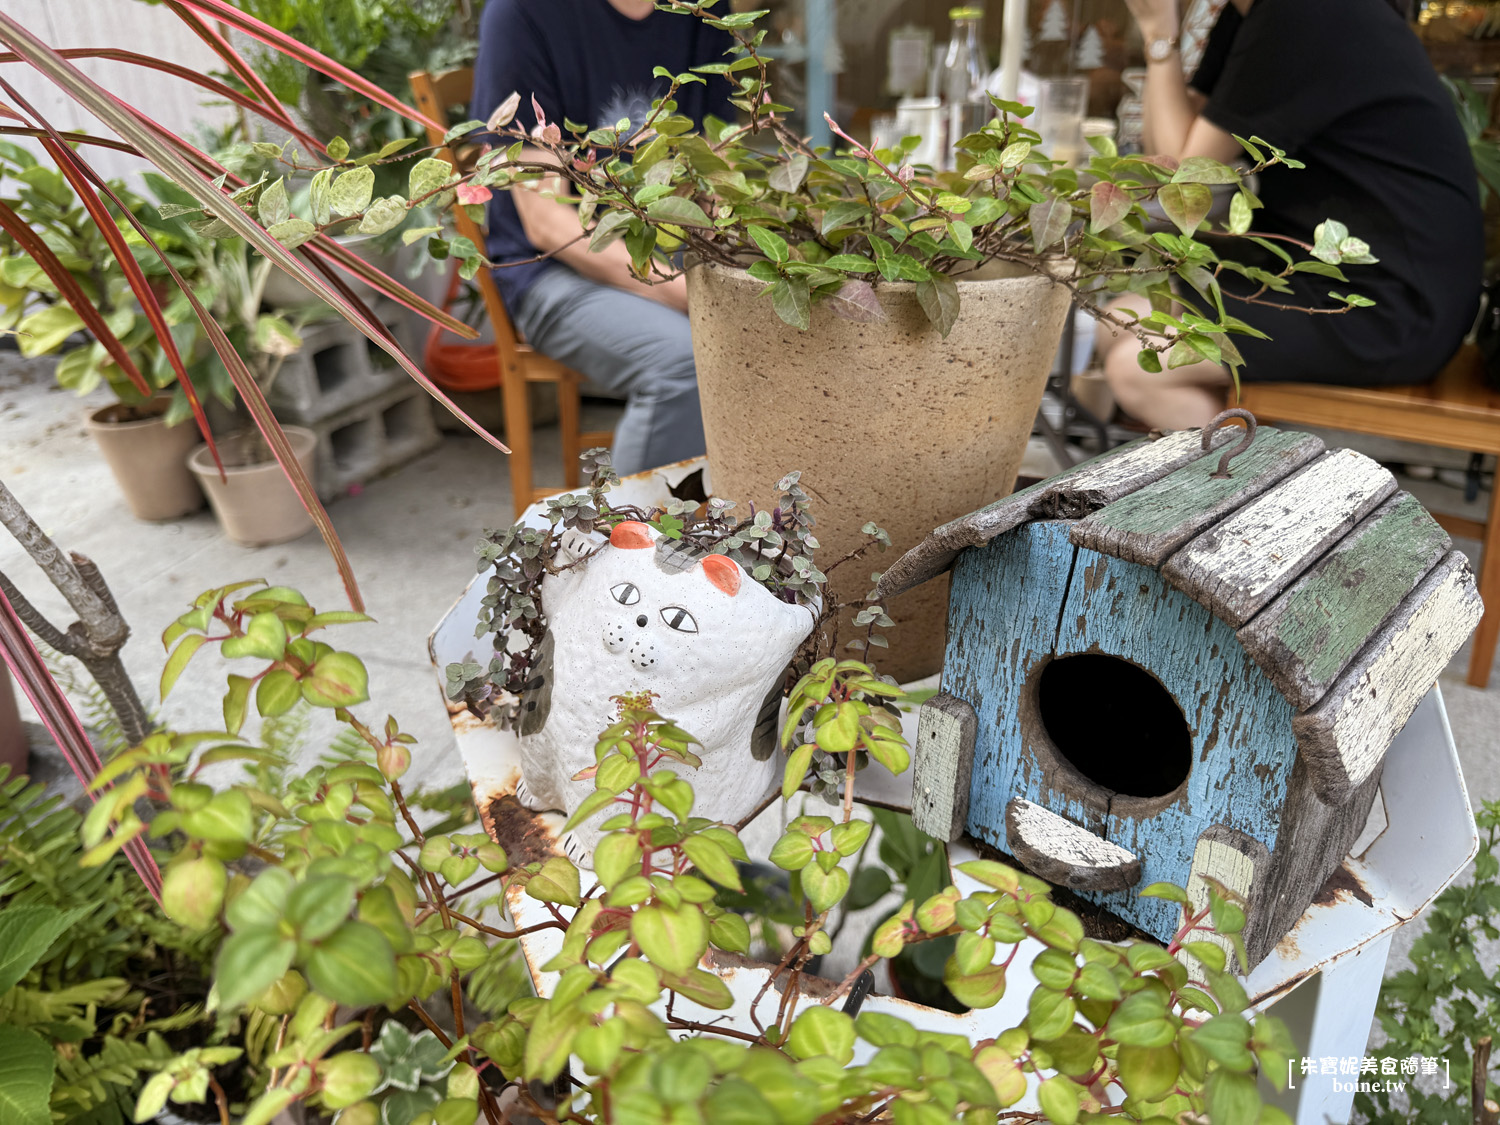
(1030, 594)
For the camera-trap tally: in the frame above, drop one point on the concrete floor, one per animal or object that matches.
(410, 539)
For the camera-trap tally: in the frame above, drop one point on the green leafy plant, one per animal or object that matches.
(46, 324)
(832, 224)
(384, 41)
(1448, 1001)
(330, 920)
(221, 273)
(224, 205)
(316, 886)
(1474, 115)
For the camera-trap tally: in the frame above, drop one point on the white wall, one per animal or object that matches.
(130, 25)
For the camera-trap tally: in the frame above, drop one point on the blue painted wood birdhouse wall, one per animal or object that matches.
(1158, 673)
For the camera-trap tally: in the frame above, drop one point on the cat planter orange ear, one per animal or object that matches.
(631, 535)
(723, 572)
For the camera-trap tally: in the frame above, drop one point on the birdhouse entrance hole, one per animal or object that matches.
(1115, 723)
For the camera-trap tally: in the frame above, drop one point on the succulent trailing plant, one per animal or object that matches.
(333, 909)
(820, 224)
(775, 547)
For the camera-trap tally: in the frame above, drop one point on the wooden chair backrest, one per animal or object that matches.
(434, 93)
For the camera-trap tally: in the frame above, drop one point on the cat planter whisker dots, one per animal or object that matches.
(643, 613)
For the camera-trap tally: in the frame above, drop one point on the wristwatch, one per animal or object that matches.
(1160, 50)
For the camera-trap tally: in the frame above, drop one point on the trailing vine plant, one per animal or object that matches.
(830, 225)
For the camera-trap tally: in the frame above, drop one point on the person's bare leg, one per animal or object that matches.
(1178, 398)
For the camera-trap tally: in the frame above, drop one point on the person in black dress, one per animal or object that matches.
(1346, 88)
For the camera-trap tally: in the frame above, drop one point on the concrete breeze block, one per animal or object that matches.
(336, 368)
(373, 438)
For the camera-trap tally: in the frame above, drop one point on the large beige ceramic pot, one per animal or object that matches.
(255, 503)
(147, 458)
(887, 421)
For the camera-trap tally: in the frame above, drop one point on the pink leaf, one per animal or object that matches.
(1108, 204)
(469, 194)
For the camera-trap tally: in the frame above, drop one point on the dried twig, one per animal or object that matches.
(100, 632)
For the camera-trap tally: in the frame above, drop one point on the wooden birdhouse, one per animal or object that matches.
(1160, 671)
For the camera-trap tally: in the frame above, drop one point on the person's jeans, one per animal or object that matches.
(626, 344)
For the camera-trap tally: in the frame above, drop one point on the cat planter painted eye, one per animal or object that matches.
(680, 619)
(626, 593)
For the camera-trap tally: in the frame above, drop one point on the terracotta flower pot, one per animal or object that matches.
(147, 458)
(887, 421)
(255, 504)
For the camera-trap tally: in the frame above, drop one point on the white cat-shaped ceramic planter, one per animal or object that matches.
(646, 614)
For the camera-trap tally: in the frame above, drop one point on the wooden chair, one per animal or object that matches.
(1456, 411)
(519, 364)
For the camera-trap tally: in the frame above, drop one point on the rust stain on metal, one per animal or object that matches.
(1287, 948)
(465, 722)
(521, 832)
(1342, 880)
(728, 966)
(1285, 988)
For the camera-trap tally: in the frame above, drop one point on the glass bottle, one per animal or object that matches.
(964, 72)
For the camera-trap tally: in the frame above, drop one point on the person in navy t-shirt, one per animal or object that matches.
(591, 62)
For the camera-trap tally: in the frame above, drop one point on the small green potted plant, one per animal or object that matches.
(149, 442)
(898, 319)
(144, 437)
(383, 42)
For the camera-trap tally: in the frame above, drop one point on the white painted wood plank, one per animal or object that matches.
(1233, 860)
(1238, 566)
(1346, 735)
(942, 761)
(1061, 852)
(1107, 480)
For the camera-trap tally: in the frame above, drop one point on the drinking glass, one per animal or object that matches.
(1061, 105)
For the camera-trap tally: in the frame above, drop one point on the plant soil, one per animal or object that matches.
(243, 449)
(133, 412)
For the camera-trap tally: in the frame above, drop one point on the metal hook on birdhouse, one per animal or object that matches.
(1222, 472)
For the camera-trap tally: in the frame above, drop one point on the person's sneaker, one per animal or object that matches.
(1420, 472)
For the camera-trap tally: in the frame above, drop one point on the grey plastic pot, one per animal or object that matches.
(888, 421)
(255, 503)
